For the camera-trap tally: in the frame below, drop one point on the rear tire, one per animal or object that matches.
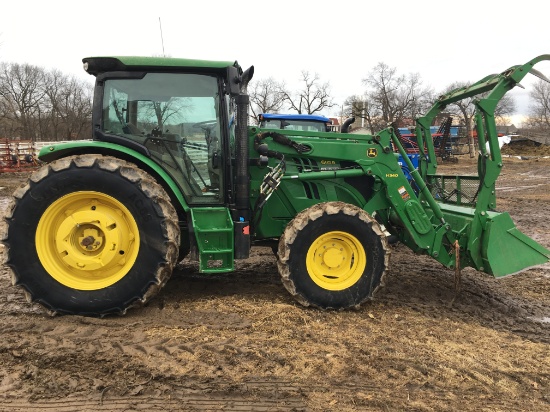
(333, 256)
(91, 235)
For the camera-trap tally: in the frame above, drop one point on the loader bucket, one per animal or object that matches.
(506, 250)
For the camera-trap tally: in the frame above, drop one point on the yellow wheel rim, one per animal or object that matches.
(87, 240)
(336, 260)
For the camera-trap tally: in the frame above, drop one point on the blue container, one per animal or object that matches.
(414, 160)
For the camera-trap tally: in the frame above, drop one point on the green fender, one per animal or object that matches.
(57, 151)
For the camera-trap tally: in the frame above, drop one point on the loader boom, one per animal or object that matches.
(488, 251)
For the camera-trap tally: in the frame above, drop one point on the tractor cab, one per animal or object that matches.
(180, 119)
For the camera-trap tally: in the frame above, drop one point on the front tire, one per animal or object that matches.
(91, 235)
(333, 256)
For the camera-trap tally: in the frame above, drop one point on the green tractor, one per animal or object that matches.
(174, 170)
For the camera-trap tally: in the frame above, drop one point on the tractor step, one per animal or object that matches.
(213, 229)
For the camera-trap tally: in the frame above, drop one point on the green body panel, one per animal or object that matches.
(158, 62)
(56, 151)
(356, 169)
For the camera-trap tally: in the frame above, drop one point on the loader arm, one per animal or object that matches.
(492, 241)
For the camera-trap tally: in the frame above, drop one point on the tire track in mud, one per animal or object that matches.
(55, 335)
(47, 343)
(428, 288)
(481, 298)
(261, 396)
(188, 403)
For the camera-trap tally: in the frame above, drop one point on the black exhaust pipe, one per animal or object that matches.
(347, 124)
(242, 180)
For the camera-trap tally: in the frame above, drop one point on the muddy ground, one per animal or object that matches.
(238, 342)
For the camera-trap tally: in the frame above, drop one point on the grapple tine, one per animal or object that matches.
(541, 76)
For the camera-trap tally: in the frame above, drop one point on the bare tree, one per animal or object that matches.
(415, 98)
(66, 109)
(265, 97)
(37, 104)
(384, 86)
(164, 111)
(313, 98)
(505, 107)
(389, 98)
(22, 91)
(74, 107)
(50, 120)
(539, 109)
(465, 110)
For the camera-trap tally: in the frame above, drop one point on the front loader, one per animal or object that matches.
(174, 170)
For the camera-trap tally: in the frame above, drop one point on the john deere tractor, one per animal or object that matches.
(173, 169)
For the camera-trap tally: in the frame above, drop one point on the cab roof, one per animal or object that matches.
(101, 64)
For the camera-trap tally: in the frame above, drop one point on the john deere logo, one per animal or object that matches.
(372, 152)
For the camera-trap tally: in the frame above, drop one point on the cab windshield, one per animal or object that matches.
(177, 117)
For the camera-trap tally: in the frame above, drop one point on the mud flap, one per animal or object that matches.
(506, 250)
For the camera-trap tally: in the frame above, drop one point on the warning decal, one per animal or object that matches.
(404, 194)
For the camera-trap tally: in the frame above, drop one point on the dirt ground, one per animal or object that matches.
(238, 341)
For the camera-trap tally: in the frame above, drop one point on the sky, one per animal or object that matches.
(342, 41)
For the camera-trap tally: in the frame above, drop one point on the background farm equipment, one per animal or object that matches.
(17, 155)
(444, 138)
(304, 122)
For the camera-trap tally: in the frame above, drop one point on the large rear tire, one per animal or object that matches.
(91, 235)
(333, 256)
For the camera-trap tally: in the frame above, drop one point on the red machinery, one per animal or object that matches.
(17, 155)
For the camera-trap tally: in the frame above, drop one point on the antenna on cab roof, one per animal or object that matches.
(161, 39)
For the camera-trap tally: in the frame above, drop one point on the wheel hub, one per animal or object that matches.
(333, 257)
(336, 260)
(90, 242)
(87, 240)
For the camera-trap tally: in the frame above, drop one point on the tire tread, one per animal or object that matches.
(309, 215)
(165, 211)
